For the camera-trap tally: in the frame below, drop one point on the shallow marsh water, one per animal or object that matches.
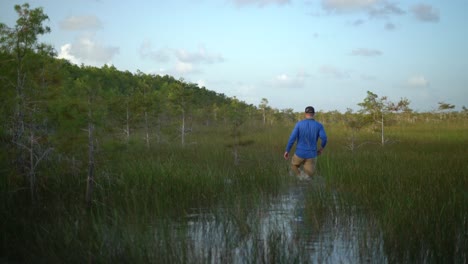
(287, 228)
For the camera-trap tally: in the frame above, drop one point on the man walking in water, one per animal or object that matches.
(306, 133)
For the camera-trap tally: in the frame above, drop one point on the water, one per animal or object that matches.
(290, 227)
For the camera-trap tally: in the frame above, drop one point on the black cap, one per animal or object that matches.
(310, 110)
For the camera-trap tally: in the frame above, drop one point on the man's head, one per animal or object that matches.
(310, 110)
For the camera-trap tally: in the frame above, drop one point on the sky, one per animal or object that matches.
(294, 53)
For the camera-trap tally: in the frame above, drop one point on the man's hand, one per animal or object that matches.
(319, 152)
(286, 155)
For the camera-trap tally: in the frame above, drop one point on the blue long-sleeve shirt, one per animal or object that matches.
(306, 133)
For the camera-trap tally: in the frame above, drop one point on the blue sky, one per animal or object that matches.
(294, 53)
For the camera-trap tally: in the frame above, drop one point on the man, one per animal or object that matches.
(306, 133)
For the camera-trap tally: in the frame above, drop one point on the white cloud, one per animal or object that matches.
(65, 54)
(286, 81)
(366, 52)
(81, 23)
(183, 67)
(347, 5)
(86, 50)
(184, 62)
(201, 83)
(260, 3)
(425, 13)
(418, 81)
(161, 71)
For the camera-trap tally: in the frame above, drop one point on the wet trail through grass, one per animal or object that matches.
(306, 224)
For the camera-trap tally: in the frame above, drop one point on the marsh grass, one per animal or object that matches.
(415, 188)
(139, 194)
(412, 194)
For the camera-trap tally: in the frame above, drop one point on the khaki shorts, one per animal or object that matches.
(308, 165)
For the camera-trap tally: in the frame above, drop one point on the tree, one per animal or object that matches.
(288, 115)
(236, 113)
(264, 107)
(180, 95)
(21, 41)
(90, 86)
(21, 44)
(82, 107)
(444, 107)
(121, 100)
(144, 97)
(355, 122)
(378, 108)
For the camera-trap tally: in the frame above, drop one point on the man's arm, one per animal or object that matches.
(323, 139)
(292, 139)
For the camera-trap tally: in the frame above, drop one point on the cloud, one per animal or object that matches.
(201, 83)
(184, 68)
(184, 62)
(418, 81)
(375, 9)
(187, 61)
(86, 50)
(385, 10)
(160, 72)
(201, 56)
(65, 54)
(146, 51)
(425, 13)
(73, 23)
(178, 70)
(286, 81)
(260, 3)
(346, 5)
(333, 72)
(366, 52)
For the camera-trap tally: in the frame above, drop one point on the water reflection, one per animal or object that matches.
(305, 224)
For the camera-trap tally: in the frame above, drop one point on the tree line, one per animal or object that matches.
(51, 107)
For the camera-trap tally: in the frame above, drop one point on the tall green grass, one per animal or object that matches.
(138, 190)
(416, 187)
(414, 190)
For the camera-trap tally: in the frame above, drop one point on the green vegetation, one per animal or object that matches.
(99, 165)
(416, 188)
